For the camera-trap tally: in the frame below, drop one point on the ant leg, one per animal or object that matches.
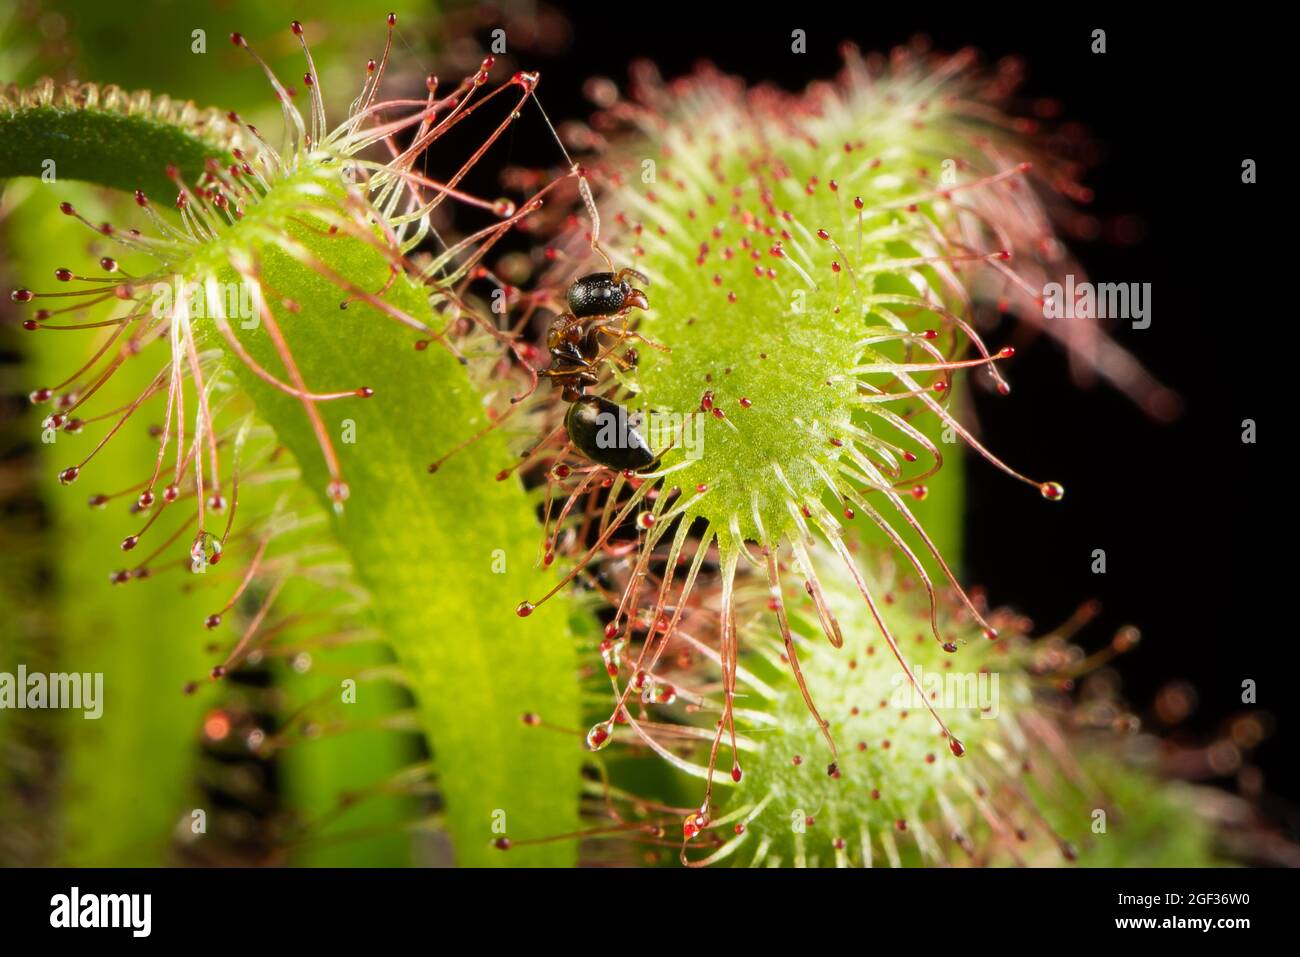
(618, 360)
(623, 332)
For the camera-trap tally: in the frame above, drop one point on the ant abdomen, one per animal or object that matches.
(601, 430)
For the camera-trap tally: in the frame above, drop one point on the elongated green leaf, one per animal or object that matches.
(446, 558)
(106, 136)
(128, 775)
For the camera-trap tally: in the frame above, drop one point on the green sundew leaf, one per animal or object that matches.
(446, 557)
(109, 142)
(128, 775)
(185, 47)
(26, 752)
(128, 150)
(371, 833)
(336, 782)
(1148, 822)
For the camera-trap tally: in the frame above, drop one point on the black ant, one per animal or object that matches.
(573, 340)
(599, 428)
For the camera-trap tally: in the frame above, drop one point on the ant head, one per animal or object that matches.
(633, 296)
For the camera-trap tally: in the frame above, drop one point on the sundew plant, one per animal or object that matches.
(415, 505)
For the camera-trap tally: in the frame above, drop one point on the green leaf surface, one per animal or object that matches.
(127, 776)
(447, 557)
(109, 147)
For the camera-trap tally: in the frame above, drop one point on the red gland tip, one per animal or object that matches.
(211, 622)
(693, 824)
(1052, 491)
(956, 747)
(524, 609)
(296, 27)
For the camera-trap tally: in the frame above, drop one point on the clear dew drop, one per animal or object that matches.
(600, 735)
(650, 693)
(1052, 491)
(205, 549)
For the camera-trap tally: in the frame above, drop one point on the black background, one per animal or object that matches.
(1190, 518)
